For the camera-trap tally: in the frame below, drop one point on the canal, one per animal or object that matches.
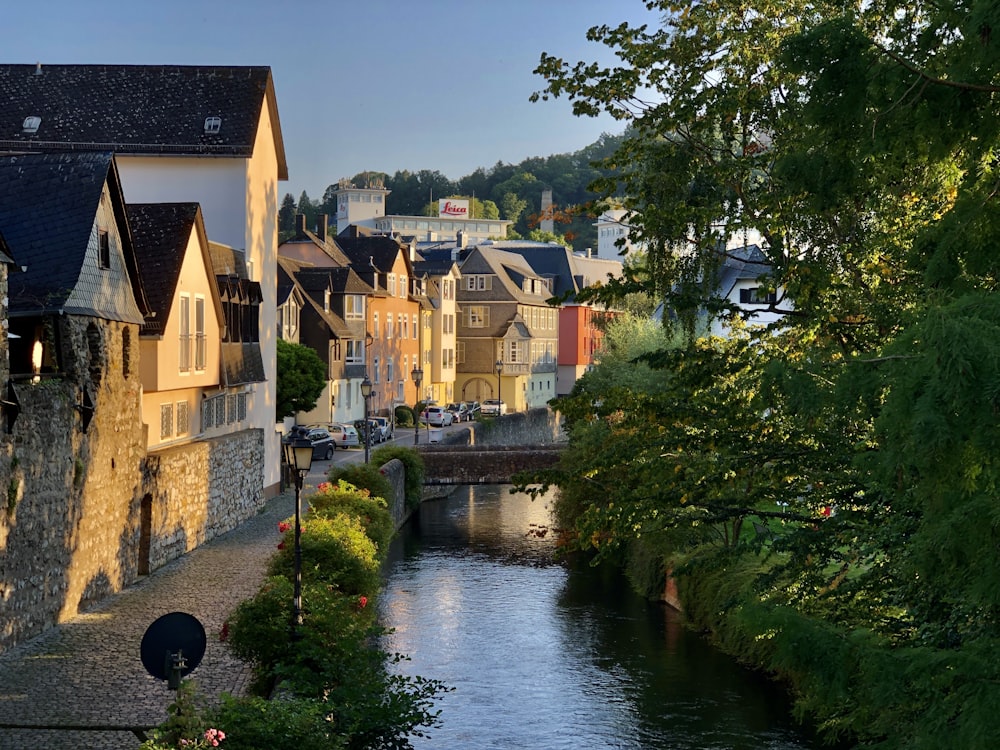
(545, 655)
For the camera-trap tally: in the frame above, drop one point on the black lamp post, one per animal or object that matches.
(499, 368)
(366, 392)
(418, 375)
(298, 455)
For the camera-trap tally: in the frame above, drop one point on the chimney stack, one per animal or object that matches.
(300, 224)
(547, 224)
(321, 223)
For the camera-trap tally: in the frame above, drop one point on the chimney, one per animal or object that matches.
(300, 224)
(589, 251)
(321, 226)
(547, 224)
(460, 239)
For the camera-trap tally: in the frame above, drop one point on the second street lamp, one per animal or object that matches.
(366, 392)
(298, 455)
(499, 368)
(418, 375)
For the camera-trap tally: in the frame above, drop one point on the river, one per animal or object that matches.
(545, 655)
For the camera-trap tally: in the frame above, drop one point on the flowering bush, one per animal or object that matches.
(184, 727)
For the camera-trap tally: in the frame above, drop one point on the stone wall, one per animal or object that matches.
(539, 426)
(85, 510)
(181, 511)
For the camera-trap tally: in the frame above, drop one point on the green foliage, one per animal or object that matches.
(186, 723)
(301, 378)
(856, 146)
(336, 551)
(414, 468)
(404, 416)
(285, 723)
(343, 498)
(363, 476)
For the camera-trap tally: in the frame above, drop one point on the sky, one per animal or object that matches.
(370, 85)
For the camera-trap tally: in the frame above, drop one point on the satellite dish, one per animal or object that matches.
(172, 647)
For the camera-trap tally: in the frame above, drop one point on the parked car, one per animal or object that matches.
(493, 407)
(322, 441)
(437, 416)
(373, 432)
(474, 409)
(344, 435)
(460, 411)
(385, 428)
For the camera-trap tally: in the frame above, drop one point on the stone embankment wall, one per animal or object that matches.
(539, 426)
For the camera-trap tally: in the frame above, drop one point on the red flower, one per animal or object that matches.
(283, 526)
(281, 545)
(362, 602)
(323, 486)
(224, 633)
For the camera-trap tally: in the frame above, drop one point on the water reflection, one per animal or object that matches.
(546, 655)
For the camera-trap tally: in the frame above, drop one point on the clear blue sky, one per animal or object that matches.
(380, 85)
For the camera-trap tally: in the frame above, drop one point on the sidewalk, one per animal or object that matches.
(81, 685)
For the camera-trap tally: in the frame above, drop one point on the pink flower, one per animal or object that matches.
(214, 736)
(323, 486)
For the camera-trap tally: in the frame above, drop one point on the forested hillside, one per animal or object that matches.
(508, 191)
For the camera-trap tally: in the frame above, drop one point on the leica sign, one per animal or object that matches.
(453, 208)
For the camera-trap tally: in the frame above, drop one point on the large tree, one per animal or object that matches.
(858, 142)
(302, 377)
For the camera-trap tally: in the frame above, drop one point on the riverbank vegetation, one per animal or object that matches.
(324, 683)
(824, 487)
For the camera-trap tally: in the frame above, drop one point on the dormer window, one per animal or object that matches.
(31, 124)
(213, 125)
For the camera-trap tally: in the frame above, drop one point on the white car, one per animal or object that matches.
(384, 429)
(437, 416)
(493, 407)
(344, 435)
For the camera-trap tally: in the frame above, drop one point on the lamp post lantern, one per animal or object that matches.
(499, 368)
(418, 375)
(366, 392)
(298, 455)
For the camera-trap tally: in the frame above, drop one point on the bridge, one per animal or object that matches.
(481, 464)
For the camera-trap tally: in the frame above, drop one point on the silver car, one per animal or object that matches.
(437, 416)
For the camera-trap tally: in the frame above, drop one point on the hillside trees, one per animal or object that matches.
(859, 436)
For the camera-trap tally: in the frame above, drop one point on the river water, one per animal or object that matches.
(545, 655)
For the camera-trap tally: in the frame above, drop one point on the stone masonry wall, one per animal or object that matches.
(86, 512)
(185, 510)
(68, 529)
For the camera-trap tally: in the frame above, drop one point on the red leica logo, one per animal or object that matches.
(450, 209)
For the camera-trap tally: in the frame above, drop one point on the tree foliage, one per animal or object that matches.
(301, 378)
(846, 455)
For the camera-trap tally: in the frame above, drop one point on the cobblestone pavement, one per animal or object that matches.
(81, 685)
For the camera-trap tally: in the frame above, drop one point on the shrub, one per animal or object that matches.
(405, 417)
(336, 551)
(373, 512)
(414, 464)
(364, 477)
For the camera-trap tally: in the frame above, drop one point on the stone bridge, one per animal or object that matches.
(482, 464)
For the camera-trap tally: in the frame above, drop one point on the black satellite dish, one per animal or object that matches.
(172, 647)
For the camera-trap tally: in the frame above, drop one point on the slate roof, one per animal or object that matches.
(160, 233)
(741, 263)
(48, 209)
(138, 109)
(567, 271)
(318, 279)
(378, 249)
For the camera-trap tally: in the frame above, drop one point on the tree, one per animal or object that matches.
(308, 209)
(858, 142)
(302, 376)
(286, 214)
(512, 207)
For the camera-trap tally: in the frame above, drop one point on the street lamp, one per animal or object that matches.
(366, 392)
(418, 375)
(499, 368)
(298, 455)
